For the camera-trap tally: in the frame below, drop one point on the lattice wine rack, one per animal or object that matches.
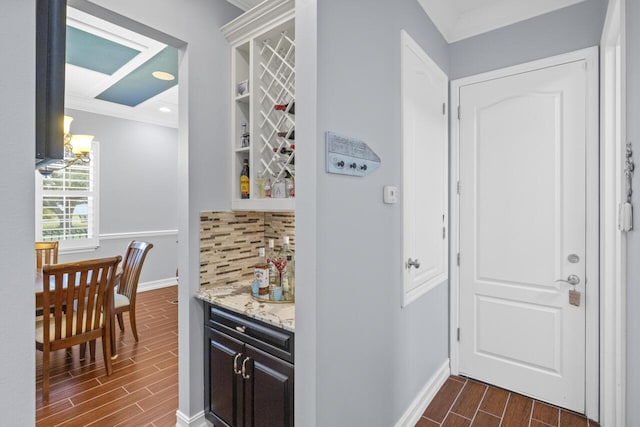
(276, 107)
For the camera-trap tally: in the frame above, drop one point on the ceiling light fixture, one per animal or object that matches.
(165, 109)
(76, 149)
(163, 75)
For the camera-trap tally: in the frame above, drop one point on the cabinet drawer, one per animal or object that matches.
(273, 340)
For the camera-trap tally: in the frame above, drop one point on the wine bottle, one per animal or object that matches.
(285, 150)
(289, 107)
(287, 274)
(244, 180)
(275, 290)
(290, 134)
(267, 187)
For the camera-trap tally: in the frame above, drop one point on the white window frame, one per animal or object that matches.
(75, 245)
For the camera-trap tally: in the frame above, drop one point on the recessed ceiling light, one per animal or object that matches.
(165, 109)
(163, 75)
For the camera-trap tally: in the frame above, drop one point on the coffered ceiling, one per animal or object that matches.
(109, 71)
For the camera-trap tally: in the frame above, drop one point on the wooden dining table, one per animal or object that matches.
(39, 289)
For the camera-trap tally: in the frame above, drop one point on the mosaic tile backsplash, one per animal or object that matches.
(229, 242)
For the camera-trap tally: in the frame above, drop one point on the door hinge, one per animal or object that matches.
(458, 259)
(458, 334)
(458, 112)
(444, 109)
(458, 187)
(444, 233)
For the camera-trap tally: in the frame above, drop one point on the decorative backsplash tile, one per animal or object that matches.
(229, 242)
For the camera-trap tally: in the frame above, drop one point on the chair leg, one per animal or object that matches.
(45, 375)
(132, 318)
(120, 321)
(106, 349)
(92, 350)
(83, 350)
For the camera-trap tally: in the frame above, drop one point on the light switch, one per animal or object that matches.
(390, 194)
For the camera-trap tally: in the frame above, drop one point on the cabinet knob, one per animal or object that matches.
(235, 364)
(244, 369)
(241, 329)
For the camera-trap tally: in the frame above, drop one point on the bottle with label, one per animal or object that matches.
(244, 138)
(291, 189)
(288, 273)
(261, 275)
(267, 187)
(244, 180)
(275, 290)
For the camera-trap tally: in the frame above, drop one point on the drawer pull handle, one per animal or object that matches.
(240, 329)
(235, 364)
(244, 369)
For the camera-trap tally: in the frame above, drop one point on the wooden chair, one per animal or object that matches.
(88, 287)
(46, 253)
(125, 297)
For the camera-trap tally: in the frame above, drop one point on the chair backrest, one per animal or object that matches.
(79, 293)
(131, 268)
(46, 253)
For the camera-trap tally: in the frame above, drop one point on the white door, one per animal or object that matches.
(522, 232)
(425, 159)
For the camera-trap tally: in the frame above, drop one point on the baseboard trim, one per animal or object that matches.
(198, 420)
(157, 284)
(424, 397)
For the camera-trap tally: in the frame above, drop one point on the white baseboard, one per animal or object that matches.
(157, 284)
(426, 395)
(198, 420)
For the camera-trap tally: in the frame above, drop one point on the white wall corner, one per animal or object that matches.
(424, 397)
(198, 420)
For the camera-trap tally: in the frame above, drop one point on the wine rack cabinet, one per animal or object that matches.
(263, 105)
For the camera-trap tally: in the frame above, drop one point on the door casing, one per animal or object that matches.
(590, 56)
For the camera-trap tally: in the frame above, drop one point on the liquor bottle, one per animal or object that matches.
(261, 275)
(244, 138)
(289, 107)
(267, 187)
(244, 180)
(275, 290)
(288, 272)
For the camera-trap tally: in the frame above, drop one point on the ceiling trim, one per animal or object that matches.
(456, 22)
(242, 4)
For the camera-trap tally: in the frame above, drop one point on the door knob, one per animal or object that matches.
(413, 263)
(572, 280)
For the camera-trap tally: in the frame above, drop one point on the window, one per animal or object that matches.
(67, 205)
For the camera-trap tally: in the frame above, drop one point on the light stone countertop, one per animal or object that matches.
(237, 298)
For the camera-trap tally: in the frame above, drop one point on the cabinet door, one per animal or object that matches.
(269, 391)
(223, 388)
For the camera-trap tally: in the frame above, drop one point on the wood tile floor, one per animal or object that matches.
(143, 388)
(462, 403)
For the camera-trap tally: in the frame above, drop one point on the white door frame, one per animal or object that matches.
(590, 55)
(613, 242)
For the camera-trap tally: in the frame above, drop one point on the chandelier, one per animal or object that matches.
(77, 149)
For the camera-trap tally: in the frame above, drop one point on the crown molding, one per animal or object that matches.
(260, 16)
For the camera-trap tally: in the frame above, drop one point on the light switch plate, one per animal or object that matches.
(390, 194)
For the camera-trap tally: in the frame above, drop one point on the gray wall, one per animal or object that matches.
(572, 28)
(633, 239)
(372, 356)
(138, 188)
(17, 187)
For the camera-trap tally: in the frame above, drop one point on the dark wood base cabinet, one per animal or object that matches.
(248, 371)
